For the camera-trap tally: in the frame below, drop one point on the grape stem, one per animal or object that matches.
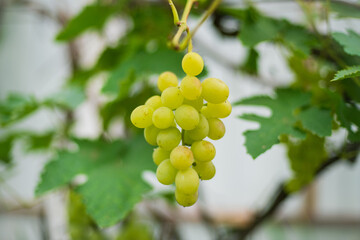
(182, 24)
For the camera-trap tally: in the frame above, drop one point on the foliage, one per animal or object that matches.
(303, 114)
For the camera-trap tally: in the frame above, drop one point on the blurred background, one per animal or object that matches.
(33, 63)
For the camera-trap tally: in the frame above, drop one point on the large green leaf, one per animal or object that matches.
(144, 63)
(316, 120)
(350, 72)
(91, 17)
(350, 42)
(288, 108)
(114, 183)
(282, 119)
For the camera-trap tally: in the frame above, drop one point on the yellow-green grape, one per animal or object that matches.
(167, 79)
(160, 155)
(197, 103)
(187, 181)
(150, 134)
(168, 138)
(141, 116)
(203, 151)
(163, 117)
(181, 157)
(221, 110)
(187, 140)
(214, 90)
(201, 130)
(190, 87)
(216, 128)
(166, 173)
(186, 200)
(187, 117)
(205, 111)
(154, 102)
(206, 170)
(172, 97)
(192, 64)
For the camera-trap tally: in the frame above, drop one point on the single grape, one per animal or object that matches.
(186, 200)
(168, 138)
(187, 140)
(150, 134)
(197, 103)
(216, 128)
(206, 170)
(163, 117)
(190, 87)
(154, 102)
(167, 79)
(166, 173)
(221, 110)
(187, 181)
(172, 97)
(141, 116)
(214, 90)
(159, 155)
(201, 130)
(181, 157)
(187, 117)
(203, 151)
(205, 111)
(192, 64)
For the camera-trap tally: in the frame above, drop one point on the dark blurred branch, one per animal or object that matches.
(280, 195)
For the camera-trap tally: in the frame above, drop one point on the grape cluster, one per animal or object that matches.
(183, 105)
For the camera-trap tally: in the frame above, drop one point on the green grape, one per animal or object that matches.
(192, 64)
(190, 87)
(187, 181)
(150, 134)
(216, 128)
(214, 90)
(221, 110)
(186, 200)
(172, 97)
(187, 117)
(201, 130)
(141, 116)
(197, 103)
(166, 80)
(160, 155)
(163, 117)
(203, 151)
(187, 140)
(166, 173)
(205, 111)
(206, 170)
(154, 102)
(168, 138)
(181, 157)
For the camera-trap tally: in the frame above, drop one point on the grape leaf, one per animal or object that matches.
(250, 65)
(5, 149)
(69, 97)
(91, 17)
(350, 72)
(305, 158)
(16, 107)
(144, 63)
(316, 120)
(344, 9)
(282, 120)
(113, 171)
(350, 42)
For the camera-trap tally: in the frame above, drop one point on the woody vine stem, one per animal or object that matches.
(182, 24)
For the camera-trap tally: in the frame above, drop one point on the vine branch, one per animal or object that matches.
(280, 195)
